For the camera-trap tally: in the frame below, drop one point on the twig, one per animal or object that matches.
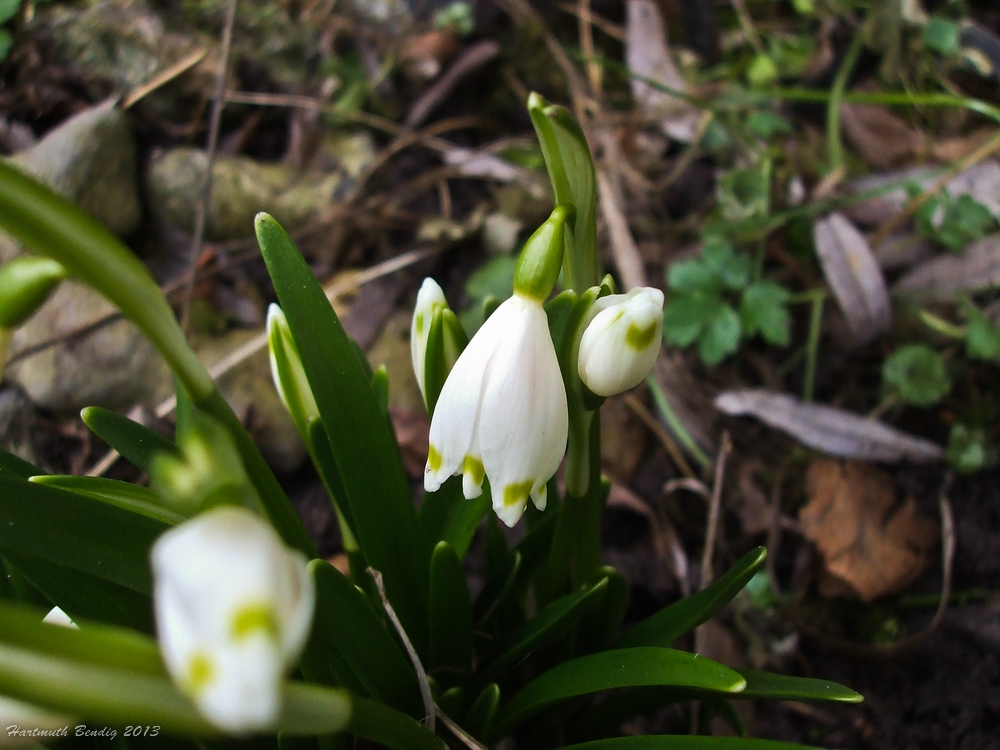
(623, 247)
(425, 687)
(468, 62)
(746, 24)
(464, 737)
(213, 142)
(714, 510)
(587, 46)
(164, 77)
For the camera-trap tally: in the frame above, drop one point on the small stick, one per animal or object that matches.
(425, 686)
(164, 77)
(471, 60)
(714, 510)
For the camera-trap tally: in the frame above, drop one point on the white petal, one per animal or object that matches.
(429, 298)
(619, 346)
(524, 419)
(243, 694)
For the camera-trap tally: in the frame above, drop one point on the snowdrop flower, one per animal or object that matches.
(502, 412)
(433, 319)
(619, 346)
(233, 608)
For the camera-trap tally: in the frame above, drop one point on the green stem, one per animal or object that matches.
(812, 346)
(675, 425)
(587, 558)
(834, 144)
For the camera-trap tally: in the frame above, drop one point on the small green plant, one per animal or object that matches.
(714, 302)
(917, 374)
(970, 449)
(954, 222)
(8, 9)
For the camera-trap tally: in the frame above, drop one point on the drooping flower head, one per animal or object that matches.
(619, 346)
(233, 611)
(502, 412)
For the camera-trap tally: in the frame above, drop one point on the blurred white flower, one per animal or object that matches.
(619, 346)
(234, 608)
(56, 616)
(502, 412)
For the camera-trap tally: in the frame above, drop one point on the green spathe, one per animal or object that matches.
(538, 267)
(25, 283)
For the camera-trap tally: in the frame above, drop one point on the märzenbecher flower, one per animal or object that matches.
(502, 412)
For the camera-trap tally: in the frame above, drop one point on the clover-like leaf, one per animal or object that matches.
(917, 374)
(721, 336)
(763, 310)
(982, 336)
(969, 449)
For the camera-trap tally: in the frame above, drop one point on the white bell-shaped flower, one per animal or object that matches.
(502, 412)
(619, 346)
(234, 608)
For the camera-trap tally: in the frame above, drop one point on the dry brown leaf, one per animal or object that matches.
(424, 56)
(879, 136)
(647, 55)
(854, 276)
(834, 431)
(867, 542)
(954, 149)
(975, 269)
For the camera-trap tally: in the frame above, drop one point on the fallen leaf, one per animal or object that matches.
(867, 541)
(855, 277)
(412, 428)
(882, 138)
(647, 56)
(833, 431)
(423, 56)
(975, 269)
(953, 149)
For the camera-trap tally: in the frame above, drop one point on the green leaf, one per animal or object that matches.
(941, 35)
(670, 623)
(762, 71)
(6, 44)
(84, 596)
(78, 532)
(693, 275)
(550, 624)
(346, 622)
(781, 687)
(135, 442)
(494, 279)
(616, 669)
(982, 337)
(917, 373)
(732, 268)
(970, 450)
(446, 516)
(721, 336)
(497, 590)
(380, 388)
(684, 742)
(602, 626)
(382, 725)
(450, 614)
(766, 124)
(131, 497)
(686, 315)
(763, 310)
(8, 9)
(367, 456)
(12, 465)
(479, 720)
(745, 193)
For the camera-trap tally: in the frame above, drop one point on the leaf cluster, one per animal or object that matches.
(714, 303)
(953, 221)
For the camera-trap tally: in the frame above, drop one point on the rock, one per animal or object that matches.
(90, 159)
(241, 187)
(17, 416)
(250, 391)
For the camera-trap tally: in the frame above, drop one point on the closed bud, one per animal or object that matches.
(288, 373)
(619, 346)
(234, 609)
(436, 341)
(541, 258)
(25, 283)
(206, 471)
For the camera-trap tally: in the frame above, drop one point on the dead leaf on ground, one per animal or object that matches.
(882, 138)
(833, 431)
(623, 439)
(647, 56)
(868, 542)
(854, 276)
(953, 149)
(975, 269)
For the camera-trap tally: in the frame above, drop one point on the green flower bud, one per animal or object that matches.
(288, 373)
(538, 266)
(25, 283)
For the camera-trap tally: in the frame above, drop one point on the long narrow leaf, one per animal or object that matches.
(670, 623)
(782, 687)
(131, 497)
(450, 614)
(631, 667)
(365, 450)
(135, 442)
(18, 467)
(78, 532)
